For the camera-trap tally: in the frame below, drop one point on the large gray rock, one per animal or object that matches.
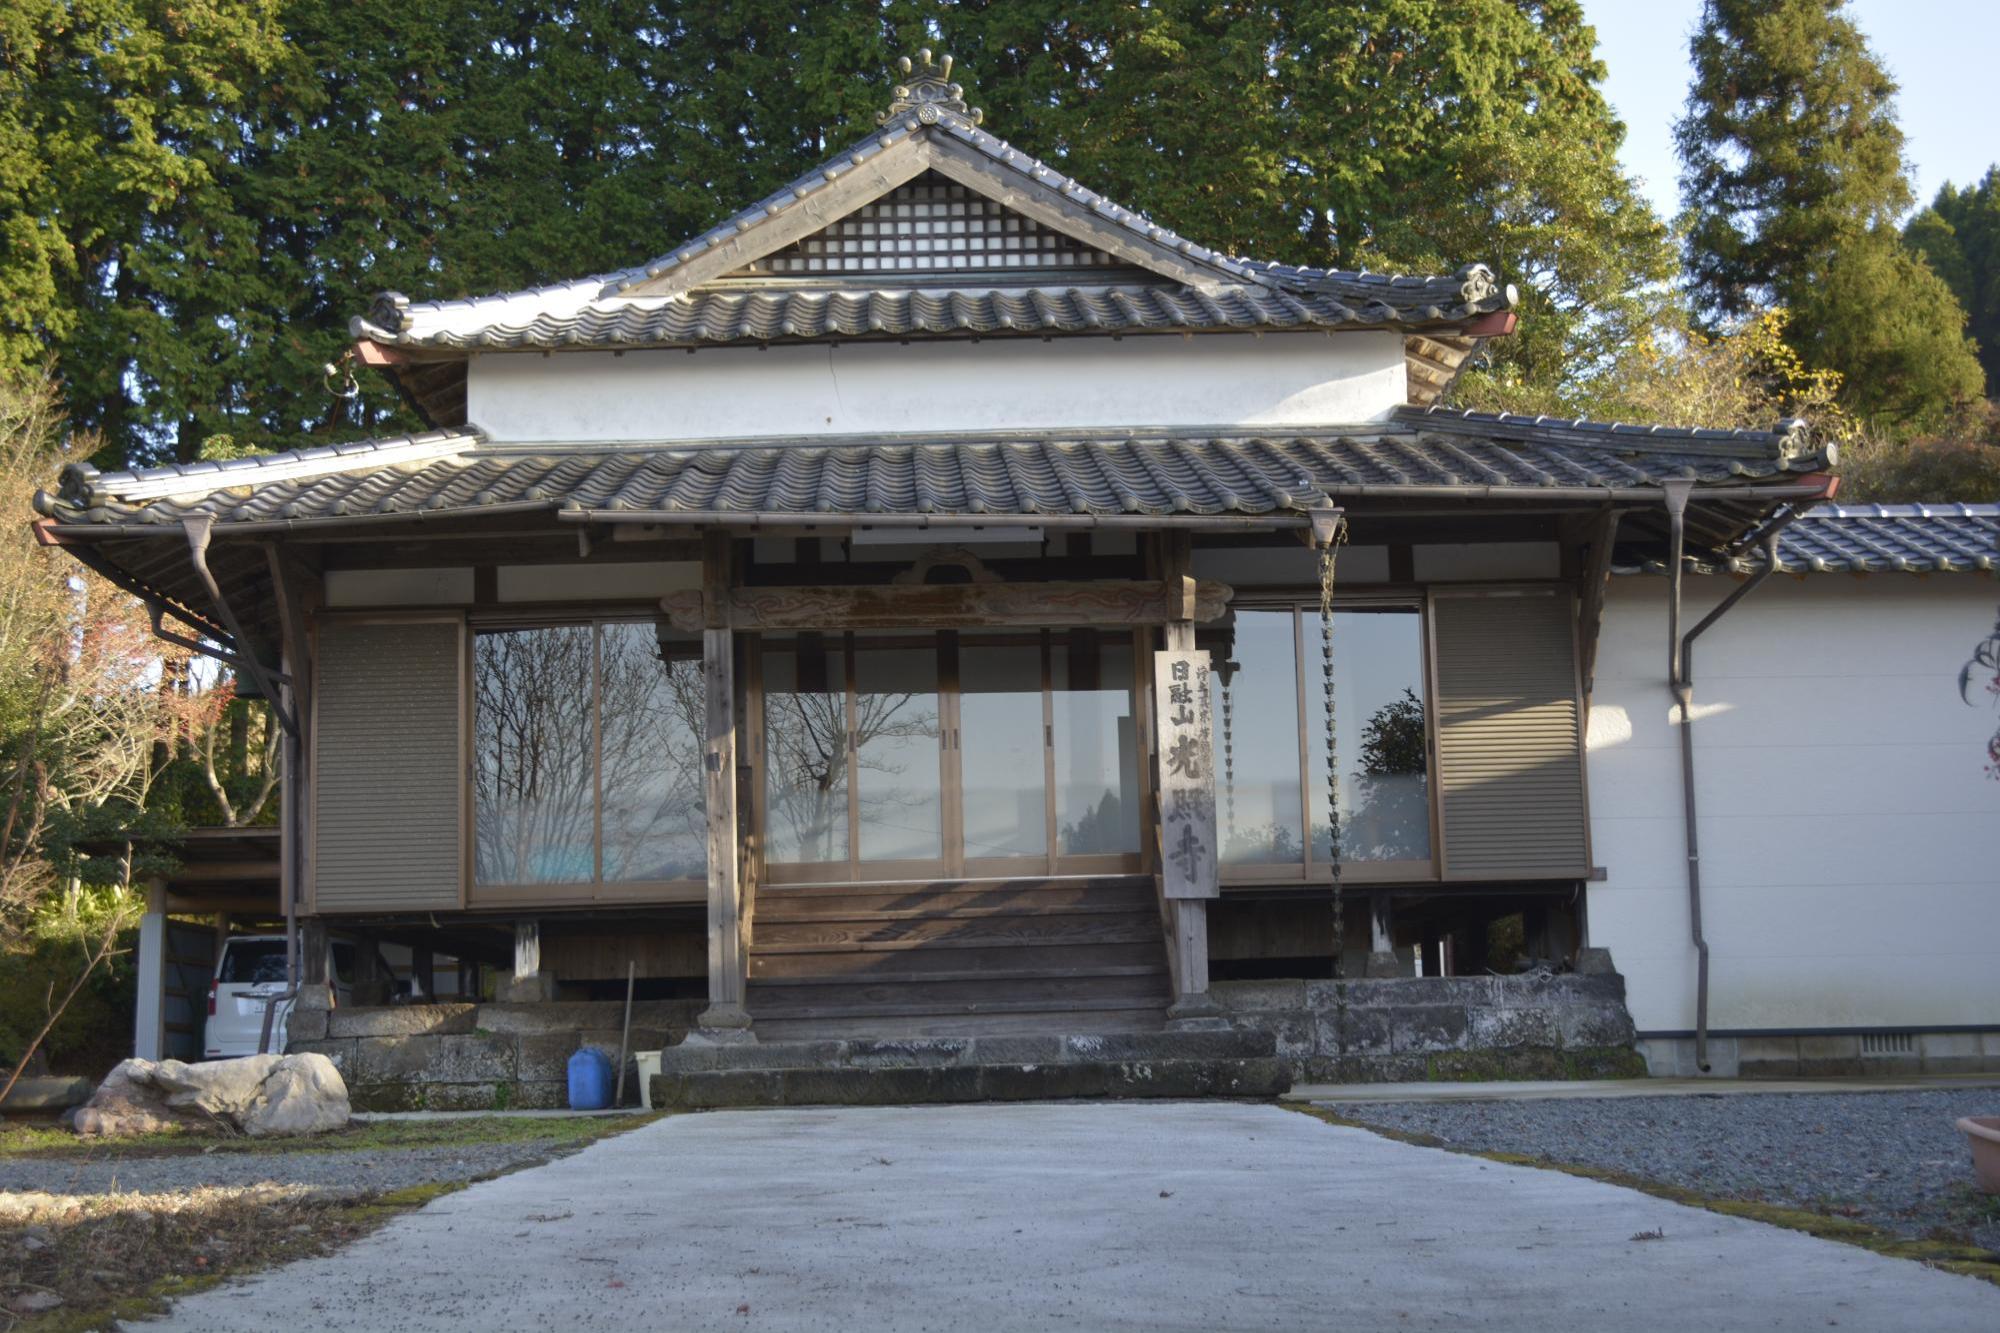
(304, 1094)
(221, 1088)
(258, 1095)
(127, 1102)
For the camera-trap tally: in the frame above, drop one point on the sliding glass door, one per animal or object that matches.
(948, 755)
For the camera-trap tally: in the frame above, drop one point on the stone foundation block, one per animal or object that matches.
(408, 1020)
(1594, 1025)
(474, 1058)
(1354, 1032)
(340, 1052)
(1419, 1029)
(1504, 1028)
(392, 1059)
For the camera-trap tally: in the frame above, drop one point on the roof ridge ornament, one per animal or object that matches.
(928, 91)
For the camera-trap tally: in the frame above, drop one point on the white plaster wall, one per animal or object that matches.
(1293, 379)
(1850, 836)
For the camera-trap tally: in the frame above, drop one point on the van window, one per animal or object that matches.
(252, 962)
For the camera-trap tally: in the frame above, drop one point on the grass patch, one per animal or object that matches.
(71, 1262)
(1950, 1255)
(54, 1142)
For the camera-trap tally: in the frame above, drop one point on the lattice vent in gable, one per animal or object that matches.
(930, 225)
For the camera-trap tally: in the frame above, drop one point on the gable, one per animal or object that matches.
(927, 226)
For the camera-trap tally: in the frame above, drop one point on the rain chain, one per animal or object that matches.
(1327, 555)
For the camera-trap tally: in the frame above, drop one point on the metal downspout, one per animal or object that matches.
(1681, 679)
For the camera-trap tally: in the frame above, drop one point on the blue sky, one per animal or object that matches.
(1940, 51)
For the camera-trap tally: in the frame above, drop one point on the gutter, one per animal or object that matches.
(1680, 678)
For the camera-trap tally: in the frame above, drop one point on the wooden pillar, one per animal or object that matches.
(312, 952)
(1382, 960)
(725, 1019)
(1185, 905)
(149, 1021)
(371, 981)
(526, 983)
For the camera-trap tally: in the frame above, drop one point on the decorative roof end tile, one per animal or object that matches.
(929, 92)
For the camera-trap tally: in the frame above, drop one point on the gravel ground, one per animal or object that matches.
(333, 1173)
(1889, 1158)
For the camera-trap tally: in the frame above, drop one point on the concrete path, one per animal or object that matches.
(1093, 1215)
(1566, 1089)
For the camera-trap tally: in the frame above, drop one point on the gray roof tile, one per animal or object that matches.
(1243, 472)
(603, 309)
(1866, 539)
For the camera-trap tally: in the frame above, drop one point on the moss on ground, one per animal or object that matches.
(1951, 1256)
(50, 1141)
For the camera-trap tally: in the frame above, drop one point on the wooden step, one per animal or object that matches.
(935, 973)
(1012, 931)
(795, 904)
(990, 961)
(1025, 1023)
(807, 999)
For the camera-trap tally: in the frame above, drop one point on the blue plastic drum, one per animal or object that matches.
(589, 1080)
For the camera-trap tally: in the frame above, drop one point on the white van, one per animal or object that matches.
(248, 975)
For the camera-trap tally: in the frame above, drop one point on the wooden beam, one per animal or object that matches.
(1108, 604)
(1590, 608)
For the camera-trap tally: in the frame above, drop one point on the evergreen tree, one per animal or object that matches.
(447, 149)
(1794, 178)
(1959, 237)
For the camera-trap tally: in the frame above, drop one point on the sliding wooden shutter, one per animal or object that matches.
(1510, 765)
(388, 774)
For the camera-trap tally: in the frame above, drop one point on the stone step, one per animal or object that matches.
(878, 1052)
(1260, 1077)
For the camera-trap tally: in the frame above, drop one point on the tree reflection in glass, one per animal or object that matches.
(654, 710)
(1383, 745)
(1096, 749)
(538, 751)
(805, 751)
(533, 798)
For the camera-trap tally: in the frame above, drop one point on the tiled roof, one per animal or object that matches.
(1865, 539)
(605, 310)
(742, 313)
(1242, 472)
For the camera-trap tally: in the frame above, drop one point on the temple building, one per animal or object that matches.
(938, 604)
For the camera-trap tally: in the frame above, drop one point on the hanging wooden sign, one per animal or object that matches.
(1183, 716)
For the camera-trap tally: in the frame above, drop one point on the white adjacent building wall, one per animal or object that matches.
(1850, 835)
(1272, 381)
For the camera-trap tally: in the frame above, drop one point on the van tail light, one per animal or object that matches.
(211, 997)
